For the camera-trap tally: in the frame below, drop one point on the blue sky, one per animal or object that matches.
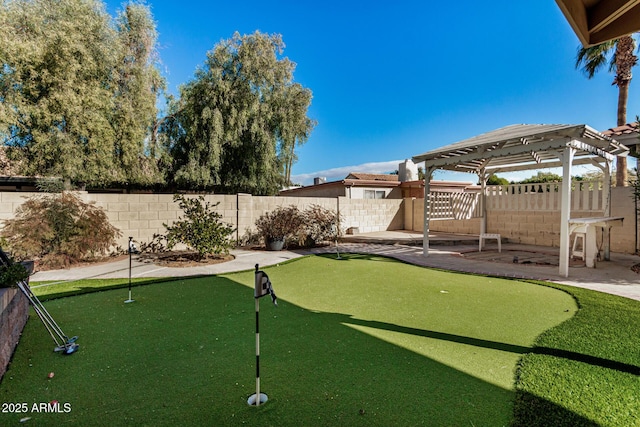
(391, 80)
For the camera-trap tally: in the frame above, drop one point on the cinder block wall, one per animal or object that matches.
(143, 215)
(370, 215)
(622, 205)
(14, 311)
(9, 202)
(527, 224)
(416, 206)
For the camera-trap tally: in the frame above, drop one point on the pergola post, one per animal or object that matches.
(565, 208)
(483, 200)
(606, 231)
(606, 167)
(427, 211)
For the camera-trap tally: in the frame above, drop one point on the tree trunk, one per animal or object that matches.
(624, 61)
(622, 179)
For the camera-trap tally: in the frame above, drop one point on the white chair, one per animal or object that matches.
(485, 236)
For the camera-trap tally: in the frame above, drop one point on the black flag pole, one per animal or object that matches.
(262, 288)
(132, 250)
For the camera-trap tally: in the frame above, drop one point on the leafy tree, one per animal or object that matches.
(237, 123)
(77, 93)
(496, 180)
(57, 58)
(542, 177)
(619, 54)
(420, 173)
(201, 229)
(137, 88)
(295, 126)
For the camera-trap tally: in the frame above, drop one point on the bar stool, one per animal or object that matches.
(578, 253)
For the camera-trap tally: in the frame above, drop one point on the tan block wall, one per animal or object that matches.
(415, 220)
(527, 227)
(453, 226)
(9, 202)
(525, 224)
(623, 239)
(142, 215)
(370, 215)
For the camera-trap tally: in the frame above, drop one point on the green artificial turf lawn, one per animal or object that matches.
(585, 372)
(361, 341)
(58, 289)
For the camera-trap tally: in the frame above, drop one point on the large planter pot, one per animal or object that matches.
(274, 243)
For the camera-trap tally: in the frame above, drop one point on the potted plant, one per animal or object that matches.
(278, 225)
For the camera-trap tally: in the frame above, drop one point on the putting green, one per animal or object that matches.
(360, 341)
(477, 325)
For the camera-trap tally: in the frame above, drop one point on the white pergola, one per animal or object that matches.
(525, 147)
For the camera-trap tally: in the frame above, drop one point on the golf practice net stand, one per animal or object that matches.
(64, 344)
(262, 288)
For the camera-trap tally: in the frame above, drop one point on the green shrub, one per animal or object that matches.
(304, 228)
(319, 225)
(280, 223)
(201, 229)
(12, 274)
(59, 230)
(157, 244)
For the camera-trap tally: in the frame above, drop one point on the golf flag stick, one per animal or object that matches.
(334, 230)
(262, 288)
(132, 249)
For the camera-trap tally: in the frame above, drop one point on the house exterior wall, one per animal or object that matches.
(320, 190)
(358, 192)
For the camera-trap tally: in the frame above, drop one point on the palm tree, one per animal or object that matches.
(619, 54)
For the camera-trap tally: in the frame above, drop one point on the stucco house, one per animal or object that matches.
(359, 185)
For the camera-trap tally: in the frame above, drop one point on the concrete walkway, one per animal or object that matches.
(455, 253)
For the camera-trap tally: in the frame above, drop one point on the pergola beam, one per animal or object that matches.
(497, 153)
(543, 165)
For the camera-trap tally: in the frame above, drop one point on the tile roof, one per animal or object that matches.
(622, 130)
(372, 176)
